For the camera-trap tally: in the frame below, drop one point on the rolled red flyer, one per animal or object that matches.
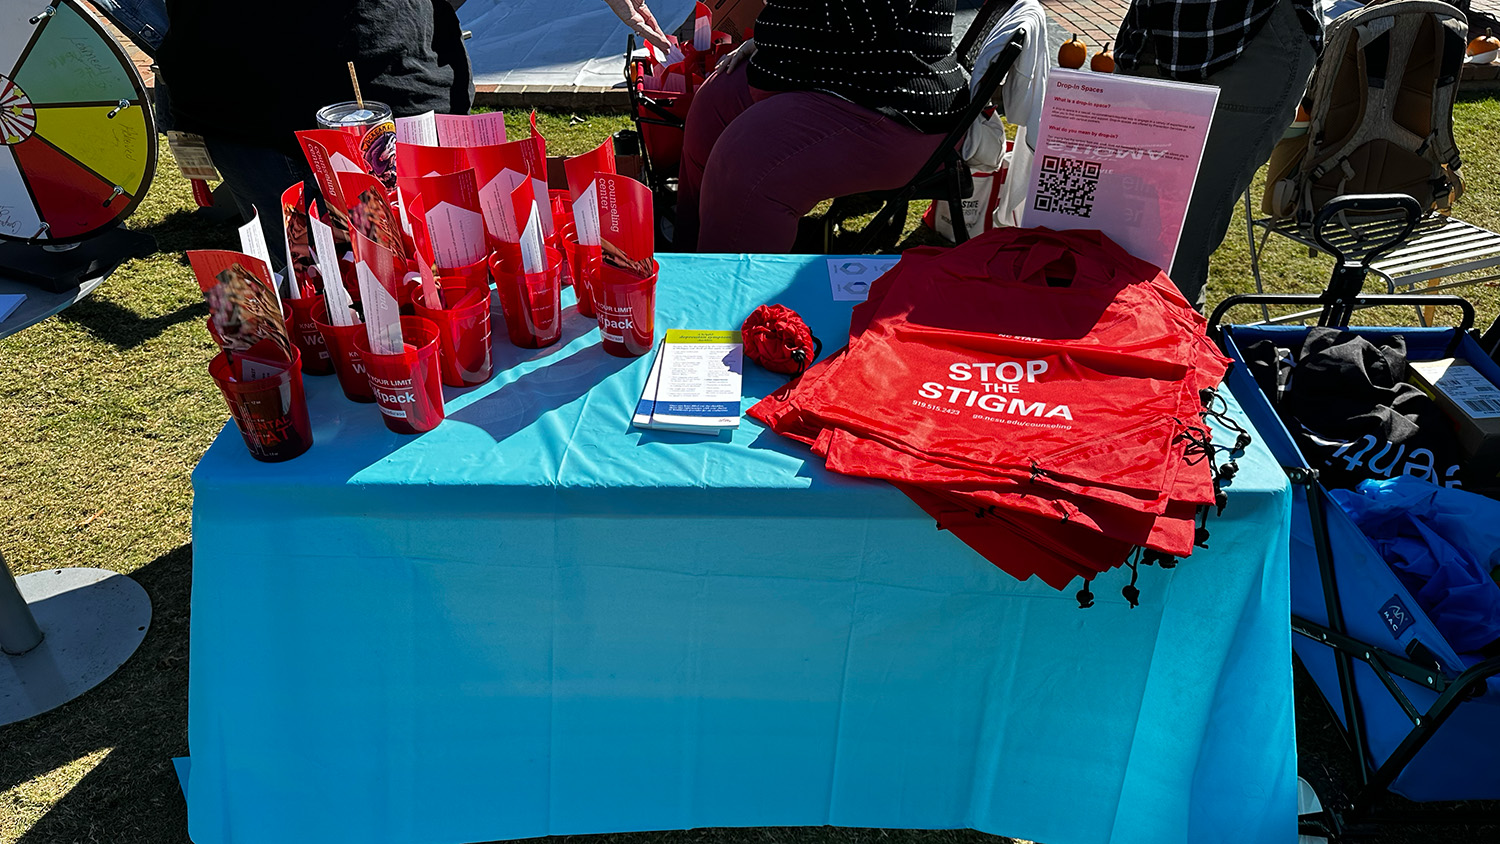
(346, 361)
(532, 302)
(408, 386)
(264, 393)
(302, 320)
(463, 325)
(625, 293)
(455, 221)
(626, 305)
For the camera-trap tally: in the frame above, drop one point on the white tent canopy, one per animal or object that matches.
(553, 42)
(569, 42)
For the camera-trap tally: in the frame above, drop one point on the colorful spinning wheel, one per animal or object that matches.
(77, 143)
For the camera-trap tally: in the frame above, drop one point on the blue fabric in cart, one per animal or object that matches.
(536, 620)
(1443, 543)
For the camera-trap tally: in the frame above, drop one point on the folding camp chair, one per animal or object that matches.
(1423, 720)
(1440, 247)
(1436, 248)
(656, 124)
(945, 176)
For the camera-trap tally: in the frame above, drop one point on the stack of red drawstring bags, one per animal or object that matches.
(1040, 394)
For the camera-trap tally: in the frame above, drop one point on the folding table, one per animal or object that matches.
(536, 620)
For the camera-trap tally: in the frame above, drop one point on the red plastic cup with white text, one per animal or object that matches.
(626, 306)
(408, 385)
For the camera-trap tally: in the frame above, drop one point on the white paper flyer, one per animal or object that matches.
(1119, 154)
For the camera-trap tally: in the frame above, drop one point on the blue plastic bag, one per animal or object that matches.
(1442, 543)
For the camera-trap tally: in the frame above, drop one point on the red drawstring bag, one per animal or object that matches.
(1170, 531)
(1020, 547)
(1007, 403)
(1013, 332)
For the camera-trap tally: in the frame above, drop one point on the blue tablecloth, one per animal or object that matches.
(536, 620)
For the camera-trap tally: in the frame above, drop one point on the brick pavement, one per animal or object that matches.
(1096, 22)
(138, 58)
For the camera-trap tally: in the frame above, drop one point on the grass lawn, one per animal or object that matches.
(105, 410)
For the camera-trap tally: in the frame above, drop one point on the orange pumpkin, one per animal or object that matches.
(1484, 44)
(1072, 54)
(1104, 61)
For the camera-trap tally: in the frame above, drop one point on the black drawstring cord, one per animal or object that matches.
(1216, 407)
(1200, 445)
(1131, 593)
(1085, 597)
(1158, 558)
(800, 355)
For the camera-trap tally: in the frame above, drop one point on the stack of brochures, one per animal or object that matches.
(694, 385)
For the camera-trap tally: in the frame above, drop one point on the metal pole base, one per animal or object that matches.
(1308, 804)
(92, 620)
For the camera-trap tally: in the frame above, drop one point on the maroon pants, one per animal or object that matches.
(755, 162)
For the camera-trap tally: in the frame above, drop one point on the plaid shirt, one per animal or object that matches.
(1193, 39)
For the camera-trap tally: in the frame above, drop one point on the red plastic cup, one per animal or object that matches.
(302, 325)
(271, 412)
(408, 386)
(532, 302)
(562, 208)
(627, 311)
(559, 240)
(463, 325)
(585, 262)
(476, 275)
(346, 362)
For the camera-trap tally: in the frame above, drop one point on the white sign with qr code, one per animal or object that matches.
(1119, 154)
(1469, 389)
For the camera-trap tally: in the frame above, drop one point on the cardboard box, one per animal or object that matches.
(735, 16)
(1473, 403)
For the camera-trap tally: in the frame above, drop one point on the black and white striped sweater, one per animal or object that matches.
(892, 56)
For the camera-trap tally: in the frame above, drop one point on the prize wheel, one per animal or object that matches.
(77, 143)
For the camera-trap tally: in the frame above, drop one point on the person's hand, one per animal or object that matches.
(739, 56)
(638, 17)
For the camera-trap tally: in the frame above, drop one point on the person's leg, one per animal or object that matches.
(257, 176)
(789, 152)
(717, 103)
(1258, 97)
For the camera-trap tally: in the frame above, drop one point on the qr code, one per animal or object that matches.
(1066, 186)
